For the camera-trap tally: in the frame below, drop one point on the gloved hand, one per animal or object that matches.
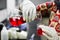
(17, 35)
(12, 33)
(28, 10)
(14, 12)
(49, 32)
(22, 35)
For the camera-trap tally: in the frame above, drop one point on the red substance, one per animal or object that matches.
(58, 15)
(58, 28)
(56, 19)
(49, 3)
(38, 8)
(39, 32)
(16, 22)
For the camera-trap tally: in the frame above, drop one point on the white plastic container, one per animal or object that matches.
(4, 34)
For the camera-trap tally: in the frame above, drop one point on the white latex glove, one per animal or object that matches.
(17, 35)
(50, 32)
(14, 29)
(13, 13)
(12, 33)
(28, 8)
(22, 35)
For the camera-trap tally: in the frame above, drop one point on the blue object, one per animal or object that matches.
(8, 26)
(23, 26)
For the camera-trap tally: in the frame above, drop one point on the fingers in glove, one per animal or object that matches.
(30, 14)
(27, 12)
(34, 14)
(47, 33)
(48, 36)
(24, 14)
(48, 30)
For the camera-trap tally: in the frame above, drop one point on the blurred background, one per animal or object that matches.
(3, 9)
(3, 6)
(3, 3)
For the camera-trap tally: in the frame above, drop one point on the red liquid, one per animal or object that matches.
(39, 32)
(16, 21)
